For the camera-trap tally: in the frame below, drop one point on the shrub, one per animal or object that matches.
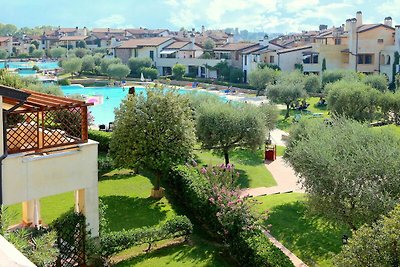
(149, 73)
(136, 64)
(220, 209)
(64, 82)
(114, 242)
(178, 71)
(104, 139)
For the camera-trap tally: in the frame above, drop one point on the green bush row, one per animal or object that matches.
(210, 81)
(249, 248)
(114, 242)
(104, 139)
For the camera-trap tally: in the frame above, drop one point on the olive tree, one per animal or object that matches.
(105, 62)
(288, 88)
(376, 81)
(223, 127)
(137, 64)
(390, 106)
(353, 99)
(155, 132)
(351, 172)
(312, 83)
(118, 71)
(37, 53)
(261, 77)
(58, 52)
(375, 245)
(88, 63)
(72, 65)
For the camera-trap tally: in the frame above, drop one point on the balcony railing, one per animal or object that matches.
(45, 122)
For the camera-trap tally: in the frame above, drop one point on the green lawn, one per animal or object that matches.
(129, 206)
(285, 124)
(280, 151)
(198, 253)
(312, 238)
(249, 164)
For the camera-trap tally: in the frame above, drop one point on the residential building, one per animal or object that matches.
(233, 52)
(142, 48)
(146, 33)
(45, 152)
(6, 44)
(71, 42)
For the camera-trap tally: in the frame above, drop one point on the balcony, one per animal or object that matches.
(45, 122)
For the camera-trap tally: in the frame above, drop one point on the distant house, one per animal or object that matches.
(72, 42)
(6, 44)
(142, 48)
(140, 33)
(233, 52)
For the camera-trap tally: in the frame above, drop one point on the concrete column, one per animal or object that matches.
(31, 213)
(87, 202)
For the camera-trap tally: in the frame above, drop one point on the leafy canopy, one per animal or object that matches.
(155, 131)
(351, 172)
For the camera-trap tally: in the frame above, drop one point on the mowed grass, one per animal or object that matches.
(250, 165)
(126, 195)
(129, 206)
(312, 238)
(286, 124)
(198, 252)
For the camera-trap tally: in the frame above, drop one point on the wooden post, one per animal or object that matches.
(84, 123)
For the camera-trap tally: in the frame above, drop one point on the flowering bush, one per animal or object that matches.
(211, 195)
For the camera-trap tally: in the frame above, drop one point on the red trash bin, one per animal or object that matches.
(270, 152)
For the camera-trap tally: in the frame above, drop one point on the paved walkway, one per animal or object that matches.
(276, 137)
(295, 260)
(284, 176)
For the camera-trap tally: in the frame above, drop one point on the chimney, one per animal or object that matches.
(359, 18)
(388, 21)
(76, 28)
(265, 40)
(347, 25)
(323, 27)
(203, 29)
(108, 29)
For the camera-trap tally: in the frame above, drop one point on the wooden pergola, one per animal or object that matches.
(44, 121)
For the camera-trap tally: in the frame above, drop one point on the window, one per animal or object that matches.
(152, 55)
(271, 59)
(136, 53)
(245, 60)
(310, 59)
(365, 59)
(338, 41)
(380, 41)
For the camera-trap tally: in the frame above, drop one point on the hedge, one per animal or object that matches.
(104, 139)
(249, 248)
(114, 242)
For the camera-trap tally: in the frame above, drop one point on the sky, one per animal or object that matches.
(268, 16)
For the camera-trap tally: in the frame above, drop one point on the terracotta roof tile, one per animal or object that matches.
(134, 43)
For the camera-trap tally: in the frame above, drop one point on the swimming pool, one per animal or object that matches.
(47, 65)
(106, 99)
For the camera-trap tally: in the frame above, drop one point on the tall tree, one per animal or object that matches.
(223, 127)
(105, 62)
(155, 132)
(288, 88)
(260, 77)
(351, 172)
(3, 54)
(88, 63)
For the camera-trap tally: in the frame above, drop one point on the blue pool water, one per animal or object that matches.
(106, 99)
(51, 65)
(26, 72)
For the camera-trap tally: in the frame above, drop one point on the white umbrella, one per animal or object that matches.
(142, 77)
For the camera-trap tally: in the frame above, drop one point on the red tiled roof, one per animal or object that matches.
(134, 43)
(67, 29)
(367, 27)
(235, 46)
(74, 38)
(294, 49)
(4, 39)
(108, 30)
(177, 45)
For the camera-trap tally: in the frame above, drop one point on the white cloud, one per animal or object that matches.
(114, 20)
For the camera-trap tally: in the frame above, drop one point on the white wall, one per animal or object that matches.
(12, 257)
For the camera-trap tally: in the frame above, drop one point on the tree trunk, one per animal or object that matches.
(158, 181)
(287, 111)
(226, 156)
